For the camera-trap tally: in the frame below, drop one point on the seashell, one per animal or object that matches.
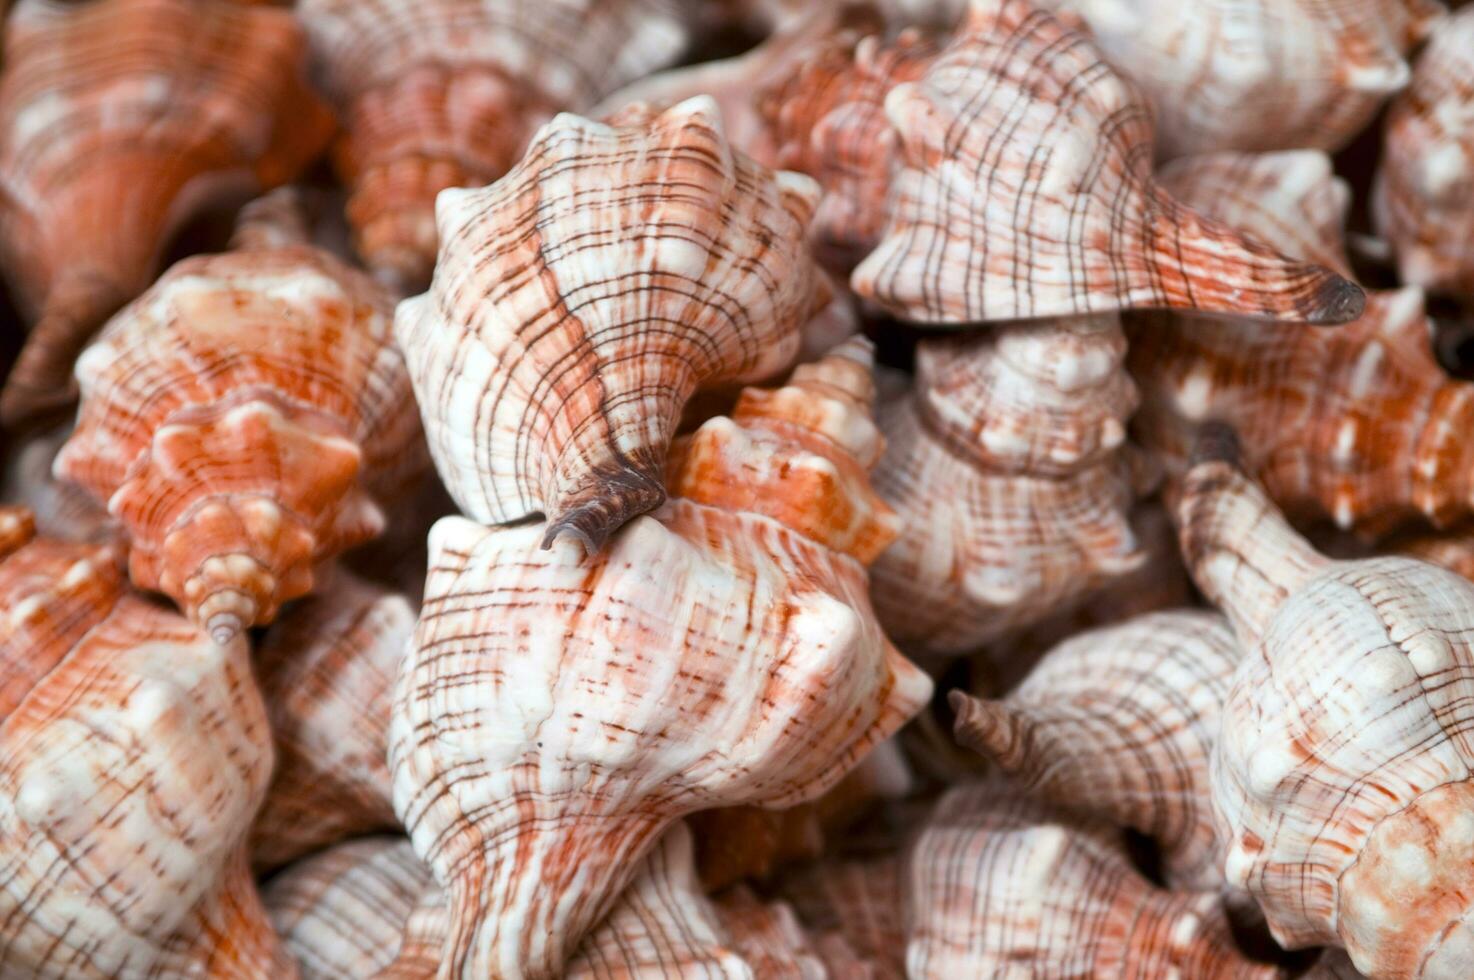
(341, 912)
(61, 510)
(812, 99)
(1089, 231)
(623, 711)
(365, 907)
(1421, 198)
(1333, 964)
(1452, 549)
(1358, 424)
(1340, 779)
(1119, 723)
(133, 755)
(326, 670)
(853, 910)
(1230, 75)
(1006, 471)
(734, 843)
(1000, 886)
(121, 120)
(563, 333)
(239, 418)
(445, 93)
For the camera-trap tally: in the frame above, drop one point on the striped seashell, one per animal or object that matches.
(1333, 964)
(1421, 201)
(61, 510)
(1119, 723)
(1066, 143)
(1259, 75)
(1341, 776)
(1005, 468)
(853, 910)
(531, 784)
(239, 419)
(1358, 424)
(999, 886)
(342, 912)
(133, 754)
(812, 99)
(366, 908)
(121, 120)
(445, 93)
(326, 670)
(579, 302)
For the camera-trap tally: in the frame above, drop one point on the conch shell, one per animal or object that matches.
(555, 714)
(1067, 219)
(854, 911)
(1119, 723)
(996, 881)
(1358, 424)
(326, 670)
(1005, 467)
(120, 120)
(579, 301)
(1423, 199)
(1341, 778)
(1259, 75)
(445, 93)
(236, 418)
(134, 752)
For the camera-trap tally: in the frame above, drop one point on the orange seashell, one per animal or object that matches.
(237, 419)
(1119, 723)
(997, 882)
(121, 119)
(582, 299)
(326, 670)
(1358, 424)
(854, 911)
(1340, 779)
(60, 509)
(1421, 201)
(557, 713)
(1066, 144)
(1005, 468)
(445, 93)
(1258, 75)
(133, 754)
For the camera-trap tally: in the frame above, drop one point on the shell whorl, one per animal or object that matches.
(563, 333)
(235, 419)
(1066, 143)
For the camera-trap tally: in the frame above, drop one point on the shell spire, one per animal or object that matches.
(326, 671)
(579, 302)
(1341, 776)
(121, 120)
(1066, 143)
(1006, 469)
(1358, 424)
(1423, 199)
(996, 880)
(234, 482)
(1119, 723)
(445, 93)
(133, 754)
(630, 711)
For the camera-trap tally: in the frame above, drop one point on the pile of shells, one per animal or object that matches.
(737, 488)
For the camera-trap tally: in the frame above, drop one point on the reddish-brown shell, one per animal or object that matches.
(1026, 191)
(238, 419)
(121, 119)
